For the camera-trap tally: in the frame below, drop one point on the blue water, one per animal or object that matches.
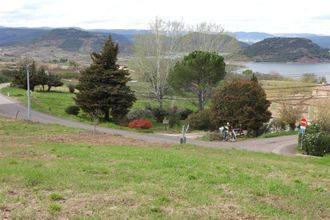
(292, 70)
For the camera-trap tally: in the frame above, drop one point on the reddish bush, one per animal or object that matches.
(140, 123)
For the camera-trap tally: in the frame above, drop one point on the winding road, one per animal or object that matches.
(284, 145)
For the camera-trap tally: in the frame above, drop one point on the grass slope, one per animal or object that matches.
(49, 171)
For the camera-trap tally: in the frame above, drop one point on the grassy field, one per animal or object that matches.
(49, 171)
(56, 101)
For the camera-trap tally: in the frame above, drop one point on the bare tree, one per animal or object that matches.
(155, 54)
(209, 37)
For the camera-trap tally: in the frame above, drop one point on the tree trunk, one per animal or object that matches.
(161, 101)
(200, 101)
(106, 115)
(49, 87)
(43, 88)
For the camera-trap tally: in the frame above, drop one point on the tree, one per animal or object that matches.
(43, 78)
(102, 86)
(290, 115)
(20, 79)
(209, 37)
(309, 78)
(53, 81)
(154, 55)
(243, 104)
(198, 72)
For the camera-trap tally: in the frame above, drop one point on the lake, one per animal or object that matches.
(292, 70)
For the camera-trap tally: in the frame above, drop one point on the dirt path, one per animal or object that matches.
(280, 145)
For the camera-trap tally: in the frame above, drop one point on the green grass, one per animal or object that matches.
(152, 182)
(278, 134)
(56, 101)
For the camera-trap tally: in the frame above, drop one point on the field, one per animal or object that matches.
(56, 101)
(53, 171)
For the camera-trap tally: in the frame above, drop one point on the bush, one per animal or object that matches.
(185, 113)
(315, 142)
(140, 123)
(139, 114)
(72, 88)
(72, 110)
(213, 136)
(277, 124)
(174, 117)
(200, 121)
(159, 114)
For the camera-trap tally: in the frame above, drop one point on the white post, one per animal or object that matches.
(28, 91)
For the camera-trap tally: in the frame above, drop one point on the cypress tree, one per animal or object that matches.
(102, 86)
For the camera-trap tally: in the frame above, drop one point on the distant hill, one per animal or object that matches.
(74, 40)
(287, 50)
(14, 36)
(253, 37)
(51, 44)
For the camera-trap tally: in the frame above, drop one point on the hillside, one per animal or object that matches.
(51, 44)
(287, 50)
(54, 172)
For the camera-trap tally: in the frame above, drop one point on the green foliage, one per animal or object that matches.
(54, 208)
(198, 73)
(56, 197)
(185, 113)
(315, 141)
(20, 79)
(289, 115)
(278, 134)
(72, 110)
(37, 76)
(102, 87)
(7, 75)
(309, 78)
(139, 114)
(324, 118)
(53, 81)
(200, 120)
(71, 88)
(277, 124)
(174, 117)
(159, 114)
(243, 103)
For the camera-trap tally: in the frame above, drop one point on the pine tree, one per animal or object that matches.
(102, 87)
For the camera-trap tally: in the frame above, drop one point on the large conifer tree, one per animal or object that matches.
(102, 86)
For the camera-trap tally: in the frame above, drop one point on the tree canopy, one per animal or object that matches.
(243, 104)
(102, 86)
(198, 73)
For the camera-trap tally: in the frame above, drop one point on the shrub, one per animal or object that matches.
(174, 117)
(140, 123)
(72, 88)
(139, 114)
(200, 121)
(213, 136)
(277, 124)
(159, 114)
(315, 142)
(185, 113)
(72, 110)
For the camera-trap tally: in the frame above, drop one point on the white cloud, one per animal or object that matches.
(253, 15)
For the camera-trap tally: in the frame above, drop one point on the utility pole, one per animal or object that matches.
(28, 91)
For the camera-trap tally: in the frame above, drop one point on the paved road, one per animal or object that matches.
(280, 145)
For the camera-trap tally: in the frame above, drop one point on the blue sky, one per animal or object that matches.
(272, 16)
